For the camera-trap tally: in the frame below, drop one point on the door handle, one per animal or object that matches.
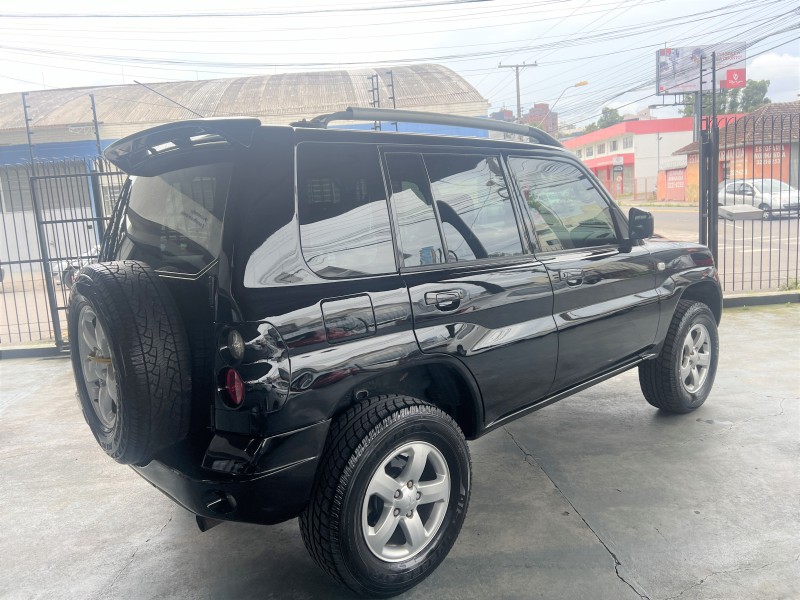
(573, 277)
(444, 299)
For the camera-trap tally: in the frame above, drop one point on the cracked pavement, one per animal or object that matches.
(598, 496)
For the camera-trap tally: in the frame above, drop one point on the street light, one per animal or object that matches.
(579, 84)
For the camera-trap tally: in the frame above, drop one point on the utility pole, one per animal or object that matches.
(392, 95)
(28, 130)
(97, 134)
(375, 91)
(516, 69)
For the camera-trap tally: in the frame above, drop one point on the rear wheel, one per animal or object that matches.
(391, 495)
(766, 211)
(680, 379)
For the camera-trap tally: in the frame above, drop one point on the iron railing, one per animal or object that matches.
(52, 218)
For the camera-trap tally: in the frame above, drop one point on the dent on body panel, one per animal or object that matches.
(265, 368)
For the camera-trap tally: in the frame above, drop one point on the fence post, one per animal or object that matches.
(704, 185)
(38, 216)
(97, 204)
(713, 192)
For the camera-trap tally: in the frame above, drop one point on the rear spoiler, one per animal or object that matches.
(141, 153)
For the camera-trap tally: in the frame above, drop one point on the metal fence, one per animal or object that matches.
(749, 175)
(52, 218)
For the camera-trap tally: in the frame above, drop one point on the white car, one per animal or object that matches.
(772, 196)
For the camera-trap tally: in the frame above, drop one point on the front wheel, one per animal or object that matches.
(391, 495)
(680, 379)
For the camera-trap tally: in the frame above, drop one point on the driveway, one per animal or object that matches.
(599, 496)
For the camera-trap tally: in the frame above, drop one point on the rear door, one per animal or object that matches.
(605, 304)
(477, 292)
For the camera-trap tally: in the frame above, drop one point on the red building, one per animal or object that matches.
(542, 117)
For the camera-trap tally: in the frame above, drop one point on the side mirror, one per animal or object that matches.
(640, 224)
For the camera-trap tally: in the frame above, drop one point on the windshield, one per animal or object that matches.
(771, 186)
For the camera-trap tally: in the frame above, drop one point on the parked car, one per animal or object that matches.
(291, 321)
(773, 197)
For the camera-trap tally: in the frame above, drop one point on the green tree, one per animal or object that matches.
(739, 100)
(754, 95)
(609, 117)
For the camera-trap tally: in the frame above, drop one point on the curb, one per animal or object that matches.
(762, 299)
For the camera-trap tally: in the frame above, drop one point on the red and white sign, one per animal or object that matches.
(736, 78)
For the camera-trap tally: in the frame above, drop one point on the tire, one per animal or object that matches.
(664, 384)
(376, 440)
(766, 212)
(130, 360)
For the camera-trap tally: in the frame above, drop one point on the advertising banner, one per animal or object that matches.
(678, 69)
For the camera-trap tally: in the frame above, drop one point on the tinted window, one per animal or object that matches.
(419, 240)
(566, 209)
(344, 219)
(174, 221)
(474, 206)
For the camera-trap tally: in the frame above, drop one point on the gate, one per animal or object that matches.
(53, 220)
(750, 198)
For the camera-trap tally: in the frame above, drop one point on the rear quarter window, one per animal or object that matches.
(344, 217)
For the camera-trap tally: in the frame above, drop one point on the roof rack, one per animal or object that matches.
(353, 113)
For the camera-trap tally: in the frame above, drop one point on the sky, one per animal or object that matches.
(610, 44)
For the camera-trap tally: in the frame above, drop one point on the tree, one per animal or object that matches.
(754, 95)
(609, 117)
(744, 100)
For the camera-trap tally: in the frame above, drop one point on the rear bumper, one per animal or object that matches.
(278, 490)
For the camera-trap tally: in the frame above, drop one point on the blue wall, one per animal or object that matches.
(14, 155)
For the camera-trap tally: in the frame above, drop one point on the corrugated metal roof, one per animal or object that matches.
(279, 98)
(775, 123)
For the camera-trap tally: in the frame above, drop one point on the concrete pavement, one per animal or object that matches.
(598, 496)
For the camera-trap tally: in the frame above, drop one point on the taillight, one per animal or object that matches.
(234, 388)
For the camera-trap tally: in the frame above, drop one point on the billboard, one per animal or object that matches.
(678, 69)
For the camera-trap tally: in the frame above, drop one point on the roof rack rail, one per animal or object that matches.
(353, 113)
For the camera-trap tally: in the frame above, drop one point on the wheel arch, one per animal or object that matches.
(708, 293)
(448, 386)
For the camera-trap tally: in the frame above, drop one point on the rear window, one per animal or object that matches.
(174, 221)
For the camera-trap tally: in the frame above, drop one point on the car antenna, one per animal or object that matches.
(170, 99)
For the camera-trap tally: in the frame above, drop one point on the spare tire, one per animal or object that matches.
(130, 358)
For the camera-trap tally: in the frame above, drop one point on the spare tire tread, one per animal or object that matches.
(151, 354)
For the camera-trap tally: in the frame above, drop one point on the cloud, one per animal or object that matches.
(783, 72)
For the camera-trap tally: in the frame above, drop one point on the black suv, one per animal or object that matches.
(297, 321)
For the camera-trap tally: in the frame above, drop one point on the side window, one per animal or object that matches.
(566, 208)
(731, 188)
(474, 206)
(419, 240)
(344, 218)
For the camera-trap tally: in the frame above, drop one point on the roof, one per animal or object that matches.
(643, 127)
(770, 124)
(279, 99)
